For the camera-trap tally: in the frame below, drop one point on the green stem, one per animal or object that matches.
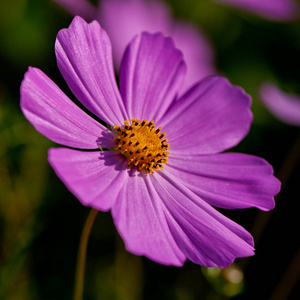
(79, 279)
(283, 175)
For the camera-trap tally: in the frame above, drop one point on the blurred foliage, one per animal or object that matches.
(41, 222)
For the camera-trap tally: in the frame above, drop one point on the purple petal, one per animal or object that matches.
(95, 178)
(227, 180)
(81, 8)
(151, 74)
(277, 10)
(211, 117)
(204, 235)
(54, 115)
(285, 107)
(84, 58)
(138, 214)
(123, 19)
(197, 51)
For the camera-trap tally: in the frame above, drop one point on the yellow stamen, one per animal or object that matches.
(142, 144)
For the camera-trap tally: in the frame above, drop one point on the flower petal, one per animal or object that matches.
(211, 117)
(95, 178)
(227, 180)
(141, 222)
(277, 10)
(152, 71)
(81, 8)
(123, 19)
(204, 235)
(54, 115)
(197, 51)
(286, 107)
(84, 58)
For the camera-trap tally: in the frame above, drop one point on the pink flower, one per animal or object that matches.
(276, 10)
(123, 19)
(284, 106)
(160, 182)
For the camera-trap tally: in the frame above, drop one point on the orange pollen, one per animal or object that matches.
(144, 146)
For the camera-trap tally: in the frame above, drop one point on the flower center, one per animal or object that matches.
(142, 145)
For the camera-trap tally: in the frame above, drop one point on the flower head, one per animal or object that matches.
(159, 181)
(123, 19)
(284, 106)
(276, 10)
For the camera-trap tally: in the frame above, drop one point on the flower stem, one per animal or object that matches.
(283, 175)
(79, 279)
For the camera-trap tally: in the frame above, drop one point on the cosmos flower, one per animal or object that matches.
(276, 10)
(123, 19)
(160, 180)
(284, 106)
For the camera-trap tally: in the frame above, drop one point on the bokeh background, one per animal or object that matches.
(41, 221)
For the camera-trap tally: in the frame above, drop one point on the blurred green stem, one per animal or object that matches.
(283, 175)
(79, 279)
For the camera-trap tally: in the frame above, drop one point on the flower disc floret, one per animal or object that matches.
(142, 144)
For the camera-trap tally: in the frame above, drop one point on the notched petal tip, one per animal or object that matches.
(77, 25)
(275, 185)
(79, 21)
(84, 58)
(228, 180)
(214, 107)
(205, 236)
(246, 98)
(152, 72)
(271, 183)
